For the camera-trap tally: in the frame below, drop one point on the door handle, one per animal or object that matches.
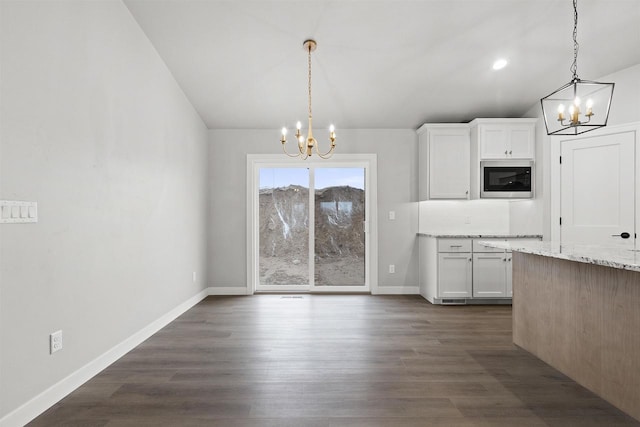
(624, 235)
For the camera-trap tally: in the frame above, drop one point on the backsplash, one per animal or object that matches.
(480, 217)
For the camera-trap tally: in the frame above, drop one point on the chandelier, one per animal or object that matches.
(563, 111)
(306, 145)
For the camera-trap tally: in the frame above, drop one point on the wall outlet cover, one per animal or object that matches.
(55, 342)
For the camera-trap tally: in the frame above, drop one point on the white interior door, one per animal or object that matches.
(598, 189)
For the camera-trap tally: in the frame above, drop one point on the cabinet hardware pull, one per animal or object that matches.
(505, 152)
(510, 151)
(509, 259)
(455, 246)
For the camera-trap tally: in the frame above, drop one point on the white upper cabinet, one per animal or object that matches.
(444, 152)
(505, 138)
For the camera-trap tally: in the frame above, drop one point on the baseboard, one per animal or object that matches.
(227, 290)
(398, 290)
(382, 290)
(36, 406)
(428, 298)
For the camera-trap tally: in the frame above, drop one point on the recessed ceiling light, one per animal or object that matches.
(500, 64)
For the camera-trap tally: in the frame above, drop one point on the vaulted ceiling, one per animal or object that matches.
(384, 63)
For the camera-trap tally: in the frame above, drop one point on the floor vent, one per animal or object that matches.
(453, 302)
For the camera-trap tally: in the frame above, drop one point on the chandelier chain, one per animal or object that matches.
(309, 80)
(576, 46)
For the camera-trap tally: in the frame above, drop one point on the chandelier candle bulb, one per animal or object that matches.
(577, 102)
(589, 108)
(560, 112)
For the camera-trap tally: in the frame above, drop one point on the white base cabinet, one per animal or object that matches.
(459, 270)
(490, 272)
(454, 275)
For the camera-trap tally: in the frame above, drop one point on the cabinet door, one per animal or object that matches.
(493, 142)
(454, 275)
(521, 140)
(489, 275)
(449, 151)
(509, 275)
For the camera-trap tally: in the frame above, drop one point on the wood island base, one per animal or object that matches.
(582, 319)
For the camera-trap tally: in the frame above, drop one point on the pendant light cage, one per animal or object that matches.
(579, 106)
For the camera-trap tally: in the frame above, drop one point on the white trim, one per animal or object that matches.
(340, 289)
(227, 290)
(43, 401)
(397, 290)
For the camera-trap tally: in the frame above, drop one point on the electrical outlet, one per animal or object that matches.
(55, 342)
(392, 215)
(194, 277)
(392, 268)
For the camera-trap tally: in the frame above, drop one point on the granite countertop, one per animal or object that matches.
(480, 236)
(623, 258)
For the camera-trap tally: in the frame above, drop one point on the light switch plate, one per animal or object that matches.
(16, 211)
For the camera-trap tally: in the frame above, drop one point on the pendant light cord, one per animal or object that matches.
(309, 47)
(576, 46)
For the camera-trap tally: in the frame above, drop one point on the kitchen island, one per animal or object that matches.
(577, 307)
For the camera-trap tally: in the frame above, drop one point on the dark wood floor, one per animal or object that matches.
(332, 360)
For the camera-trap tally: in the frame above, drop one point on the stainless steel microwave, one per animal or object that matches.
(506, 179)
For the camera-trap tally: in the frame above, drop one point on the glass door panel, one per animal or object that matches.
(283, 227)
(339, 233)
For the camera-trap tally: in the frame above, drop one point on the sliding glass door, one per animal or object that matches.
(283, 221)
(310, 228)
(339, 237)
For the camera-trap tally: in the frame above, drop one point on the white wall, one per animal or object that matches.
(96, 130)
(397, 190)
(625, 108)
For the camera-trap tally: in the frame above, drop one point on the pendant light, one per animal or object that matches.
(579, 106)
(306, 145)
